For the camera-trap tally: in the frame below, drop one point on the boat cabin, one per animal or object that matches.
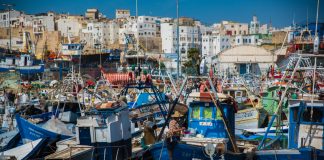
(306, 124)
(72, 49)
(205, 119)
(108, 131)
(238, 93)
(17, 60)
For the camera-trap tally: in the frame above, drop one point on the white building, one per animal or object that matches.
(25, 20)
(232, 28)
(213, 44)
(254, 25)
(69, 25)
(264, 29)
(247, 40)
(93, 34)
(189, 38)
(4, 18)
(112, 32)
(16, 43)
(143, 27)
(246, 59)
(104, 33)
(169, 37)
(122, 13)
(146, 26)
(43, 22)
(165, 19)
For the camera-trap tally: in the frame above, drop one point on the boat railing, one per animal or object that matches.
(121, 149)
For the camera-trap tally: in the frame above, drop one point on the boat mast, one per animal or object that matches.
(316, 40)
(9, 6)
(178, 41)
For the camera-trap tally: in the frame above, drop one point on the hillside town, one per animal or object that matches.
(156, 36)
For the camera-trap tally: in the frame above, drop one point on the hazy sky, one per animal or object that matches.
(281, 12)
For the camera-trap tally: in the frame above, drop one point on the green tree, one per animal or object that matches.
(194, 59)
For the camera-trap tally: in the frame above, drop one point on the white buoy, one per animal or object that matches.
(210, 150)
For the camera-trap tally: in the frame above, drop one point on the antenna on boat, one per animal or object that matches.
(316, 40)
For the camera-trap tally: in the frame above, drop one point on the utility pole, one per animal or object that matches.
(137, 34)
(9, 6)
(178, 41)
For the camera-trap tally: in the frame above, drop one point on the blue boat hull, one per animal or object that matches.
(6, 69)
(25, 69)
(31, 132)
(159, 151)
(31, 69)
(290, 154)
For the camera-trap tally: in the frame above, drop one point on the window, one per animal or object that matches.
(195, 112)
(208, 113)
(218, 115)
(317, 115)
(238, 94)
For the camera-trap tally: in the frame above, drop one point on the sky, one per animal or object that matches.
(280, 12)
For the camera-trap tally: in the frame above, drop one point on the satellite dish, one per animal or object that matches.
(210, 150)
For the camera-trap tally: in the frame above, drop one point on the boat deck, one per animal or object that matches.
(71, 153)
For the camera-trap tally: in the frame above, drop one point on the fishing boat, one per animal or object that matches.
(305, 139)
(24, 152)
(109, 132)
(30, 132)
(211, 129)
(22, 63)
(9, 140)
(250, 114)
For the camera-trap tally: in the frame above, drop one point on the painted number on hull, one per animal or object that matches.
(205, 123)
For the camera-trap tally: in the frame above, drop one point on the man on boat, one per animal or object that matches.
(174, 133)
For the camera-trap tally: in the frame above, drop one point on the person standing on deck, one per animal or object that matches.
(174, 133)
